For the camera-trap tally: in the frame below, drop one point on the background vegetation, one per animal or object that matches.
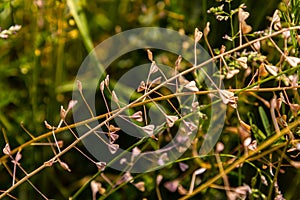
(39, 62)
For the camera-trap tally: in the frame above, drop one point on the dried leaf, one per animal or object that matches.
(49, 163)
(153, 68)
(293, 61)
(136, 151)
(295, 108)
(149, 129)
(65, 166)
(114, 97)
(60, 143)
(276, 21)
(48, 126)
(263, 180)
(286, 34)
(245, 133)
(113, 136)
(195, 105)
(178, 61)
(162, 158)
(206, 29)
(159, 179)
(112, 128)
(295, 164)
(72, 103)
(219, 147)
(243, 62)
(242, 191)
(198, 35)
(256, 45)
(199, 171)
(171, 119)
(150, 55)
(113, 148)
(242, 15)
(172, 185)
(123, 161)
(190, 125)
(272, 69)
(253, 145)
(96, 187)
(294, 79)
(6, 149)
(125, 178)
(227, 96)
(298, 146)
(63, 113)
(192, 86)
(245, 28)
(141, 87)
(79, 86)
(222, 50)
(18, 156)
(106, 80)
(183, 167)
(262, 70)
(181, 190)
(140, 186)
(102, 86)
(232, 73)
(101, 166)
(156, 81)
(138, 116)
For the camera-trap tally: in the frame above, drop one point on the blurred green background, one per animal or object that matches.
(38, 64)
